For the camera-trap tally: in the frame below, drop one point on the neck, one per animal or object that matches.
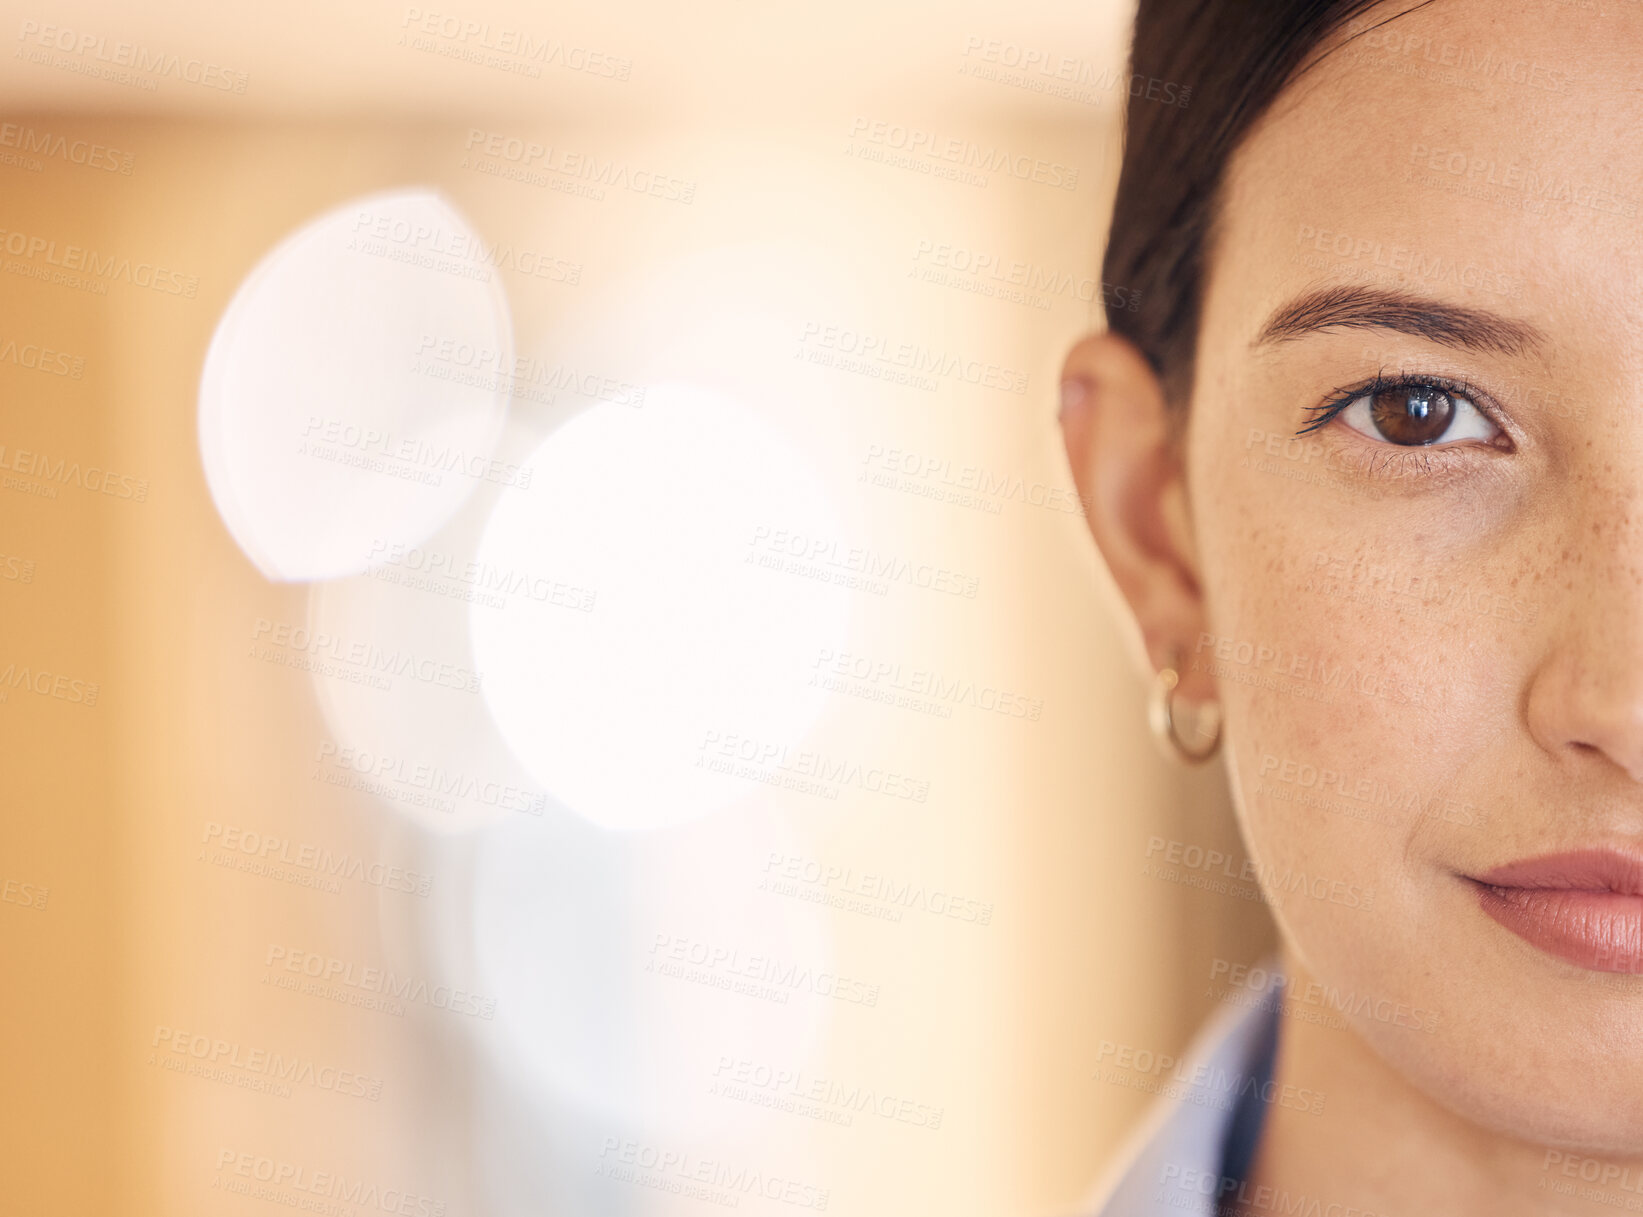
(1380, 1146)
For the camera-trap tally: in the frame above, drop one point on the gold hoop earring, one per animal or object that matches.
(1161, 717)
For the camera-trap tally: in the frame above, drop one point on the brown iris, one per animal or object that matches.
(1412, 414)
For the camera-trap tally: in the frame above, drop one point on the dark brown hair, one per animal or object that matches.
(1235, 56)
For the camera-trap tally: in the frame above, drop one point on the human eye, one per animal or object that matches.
(1409, 411)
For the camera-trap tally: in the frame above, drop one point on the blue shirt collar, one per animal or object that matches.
(1199, 1141)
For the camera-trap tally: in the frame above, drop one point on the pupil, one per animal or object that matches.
(1412, 415)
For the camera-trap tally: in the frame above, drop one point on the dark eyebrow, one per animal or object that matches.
(1367, 308)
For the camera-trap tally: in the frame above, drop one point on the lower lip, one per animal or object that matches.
(1601, 931)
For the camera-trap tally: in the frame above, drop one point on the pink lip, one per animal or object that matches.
(1585, 906)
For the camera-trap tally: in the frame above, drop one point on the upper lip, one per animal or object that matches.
(1585, 870)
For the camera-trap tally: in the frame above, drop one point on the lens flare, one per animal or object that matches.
(628, 969)
(676, 632)
(355, 386)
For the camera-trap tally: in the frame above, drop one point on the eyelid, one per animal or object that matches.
(1326, 411)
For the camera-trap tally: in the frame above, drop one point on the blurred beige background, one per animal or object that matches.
(811, 217)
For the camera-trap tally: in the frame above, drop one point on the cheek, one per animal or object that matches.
(1355, 711)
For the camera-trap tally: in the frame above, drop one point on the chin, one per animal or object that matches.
(1529, 1057)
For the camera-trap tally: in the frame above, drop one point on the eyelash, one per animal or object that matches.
(1387, 460)
(1326, 410)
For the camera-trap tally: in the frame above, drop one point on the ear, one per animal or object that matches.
(1126, 465)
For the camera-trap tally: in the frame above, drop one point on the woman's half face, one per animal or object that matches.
(1415, 458)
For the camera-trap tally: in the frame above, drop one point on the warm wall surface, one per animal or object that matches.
(740, 771)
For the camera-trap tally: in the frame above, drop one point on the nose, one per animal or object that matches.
(1586, 698)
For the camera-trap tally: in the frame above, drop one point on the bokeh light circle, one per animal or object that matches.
(353, 390)
(670, 628)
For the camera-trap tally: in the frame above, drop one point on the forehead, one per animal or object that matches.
(1485, 151)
